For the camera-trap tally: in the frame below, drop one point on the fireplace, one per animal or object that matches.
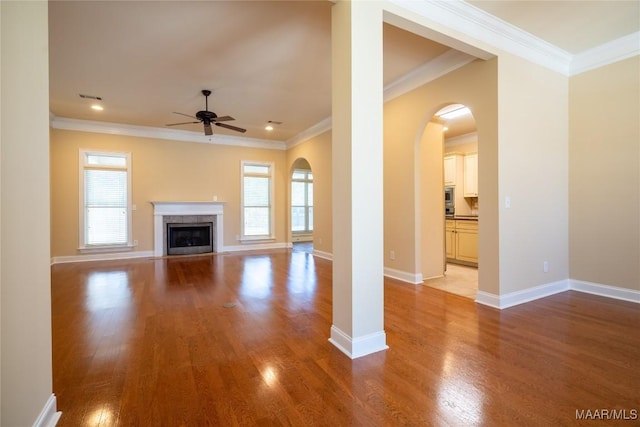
(190, 238)
(188, 218)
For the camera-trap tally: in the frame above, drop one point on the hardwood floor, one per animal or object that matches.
(241, 339)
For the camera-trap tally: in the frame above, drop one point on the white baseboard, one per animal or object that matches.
(403, 276)
(526, 295)
(358, 347)
(101, 257)
(49, 415)
(605, 290)
(520, 297)
(324, 255)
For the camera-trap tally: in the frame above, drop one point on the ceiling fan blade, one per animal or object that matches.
(237, 129)
(186, 115)
(223, 119)
(184, 123)
(207, 129)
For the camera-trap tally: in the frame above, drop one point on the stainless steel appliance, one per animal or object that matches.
(449, 201)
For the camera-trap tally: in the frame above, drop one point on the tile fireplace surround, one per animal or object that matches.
(164, 209)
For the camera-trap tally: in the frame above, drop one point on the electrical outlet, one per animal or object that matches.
(320, 241)
(392, 255)
(135, 243)
(507, 202)
(545, 266)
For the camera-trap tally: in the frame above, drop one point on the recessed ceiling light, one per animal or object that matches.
(444, 129)
(97, 107)
(270, 124)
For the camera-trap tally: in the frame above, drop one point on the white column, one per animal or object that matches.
(358, 292)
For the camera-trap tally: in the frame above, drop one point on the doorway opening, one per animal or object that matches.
(453, 127)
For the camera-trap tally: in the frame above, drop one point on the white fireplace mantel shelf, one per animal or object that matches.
(167, 208)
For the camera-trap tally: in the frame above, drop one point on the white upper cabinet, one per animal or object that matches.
(450, 170)
(471, 175)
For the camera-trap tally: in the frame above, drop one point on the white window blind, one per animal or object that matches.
(105, 215)
(256, 200)
(302, 201)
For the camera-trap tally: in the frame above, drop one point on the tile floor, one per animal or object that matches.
(459, 280)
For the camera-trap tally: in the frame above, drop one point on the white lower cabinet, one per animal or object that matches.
(461, 241)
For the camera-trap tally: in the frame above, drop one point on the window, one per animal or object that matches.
(302, 201)
(105, 199)
(257, 200)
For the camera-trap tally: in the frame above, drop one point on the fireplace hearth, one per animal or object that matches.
(190, 238)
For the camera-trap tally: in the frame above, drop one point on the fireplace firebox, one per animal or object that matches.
(189, 238)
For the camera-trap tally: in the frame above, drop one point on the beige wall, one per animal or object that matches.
(533, 173)
(317, 151)
(604, 177)
(161, 170)
(405, 118)
(26, 375)
(430, 190)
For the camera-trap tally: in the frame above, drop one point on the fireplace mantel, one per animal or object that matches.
(170, 208)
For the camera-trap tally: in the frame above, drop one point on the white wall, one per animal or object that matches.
(26, 380)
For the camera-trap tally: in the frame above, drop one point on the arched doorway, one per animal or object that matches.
(301, 205)
(449, 201)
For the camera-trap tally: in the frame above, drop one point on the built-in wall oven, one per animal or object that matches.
(449, 201)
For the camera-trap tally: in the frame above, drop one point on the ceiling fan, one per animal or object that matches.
(207, 118)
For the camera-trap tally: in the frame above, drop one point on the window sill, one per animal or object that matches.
(105, 248)
(251, 239)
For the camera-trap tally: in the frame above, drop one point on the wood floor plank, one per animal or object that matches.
(242, 339)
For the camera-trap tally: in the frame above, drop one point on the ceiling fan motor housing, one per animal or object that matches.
(206, 116)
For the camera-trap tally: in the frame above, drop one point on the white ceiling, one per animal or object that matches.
(263, 60)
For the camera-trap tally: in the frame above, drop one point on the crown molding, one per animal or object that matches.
(473, 22)
(161, 133)
(605, 54)
(438, 67)
(447, 62)
(466, 138)
(315, 130)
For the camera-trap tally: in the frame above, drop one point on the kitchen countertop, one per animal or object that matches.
(463, 217)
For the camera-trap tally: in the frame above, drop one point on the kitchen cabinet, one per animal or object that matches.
(450, 238)
(461, 241)
(471, 175)
(450, 169)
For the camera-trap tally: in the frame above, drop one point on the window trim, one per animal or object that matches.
(83, 164)
(306, 180)
(271, 235)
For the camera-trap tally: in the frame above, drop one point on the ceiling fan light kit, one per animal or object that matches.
(207, 118)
